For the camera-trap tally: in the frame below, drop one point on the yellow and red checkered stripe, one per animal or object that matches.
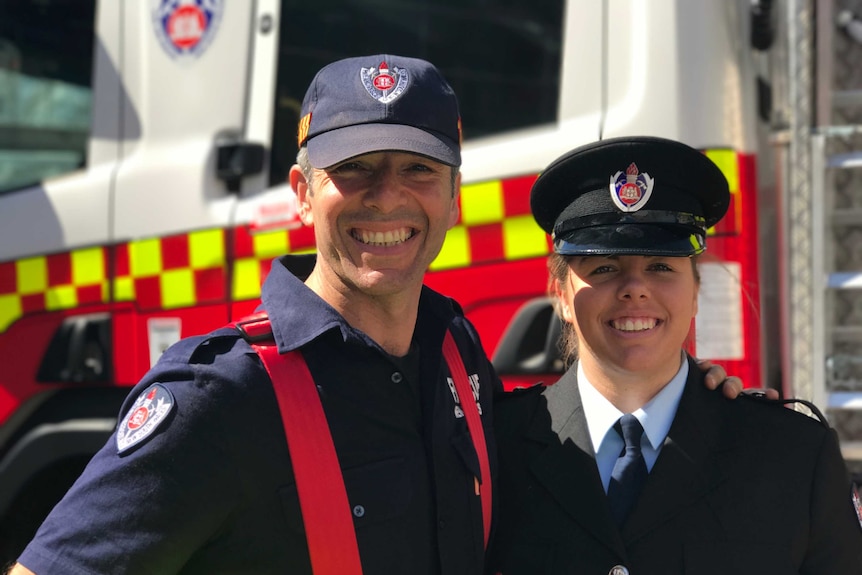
(171, 272)
(156, 274)
(495, 225)
(54, 282)
(254, 254)
(191, 269)
(728, 162)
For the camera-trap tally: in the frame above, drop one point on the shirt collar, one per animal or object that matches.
(656, 416)
(298, 315)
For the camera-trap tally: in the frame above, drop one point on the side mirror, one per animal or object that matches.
(79, 352)
(762, 24)
(234, 160)
(529, 345)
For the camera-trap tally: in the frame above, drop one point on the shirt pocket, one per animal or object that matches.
(377, 492)
(463, 446)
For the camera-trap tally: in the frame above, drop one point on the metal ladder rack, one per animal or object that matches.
(838, 306)
(823, 348)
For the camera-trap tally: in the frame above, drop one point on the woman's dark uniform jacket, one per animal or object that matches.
(740, 486)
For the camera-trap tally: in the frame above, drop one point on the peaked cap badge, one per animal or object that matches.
(630, 190)
(385, 84)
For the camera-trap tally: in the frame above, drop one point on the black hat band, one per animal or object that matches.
(696, 223)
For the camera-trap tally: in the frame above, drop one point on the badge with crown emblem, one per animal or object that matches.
(383, 83)
(857, 503)
(144, 417)
(185, 28)
(630, 190)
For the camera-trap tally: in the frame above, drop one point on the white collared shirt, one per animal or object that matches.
(655, 417)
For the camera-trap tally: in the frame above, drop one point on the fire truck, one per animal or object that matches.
(144, 148)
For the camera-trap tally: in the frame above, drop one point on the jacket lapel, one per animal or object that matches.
(689, 466)
(567, 466)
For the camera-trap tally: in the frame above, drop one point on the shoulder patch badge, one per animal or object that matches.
(144, 417)
(857, 503)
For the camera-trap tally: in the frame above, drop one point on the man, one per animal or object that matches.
(210, 487)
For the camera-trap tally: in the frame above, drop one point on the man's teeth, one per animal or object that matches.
(389, 238)
(634, 324)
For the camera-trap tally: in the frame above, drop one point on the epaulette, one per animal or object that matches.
(521, 391)
(812, 410)
(215, 343)
(456, 306)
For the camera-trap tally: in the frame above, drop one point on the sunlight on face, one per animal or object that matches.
(630, 313)
(380, 220)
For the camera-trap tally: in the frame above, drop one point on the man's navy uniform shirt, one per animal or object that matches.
(211, 490)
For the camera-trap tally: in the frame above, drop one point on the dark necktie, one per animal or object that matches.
(630, 472)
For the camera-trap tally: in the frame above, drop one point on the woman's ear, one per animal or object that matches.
(696, 297)
(561, 294)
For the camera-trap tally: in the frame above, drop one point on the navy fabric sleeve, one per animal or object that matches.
(836, 534)
(146, 510)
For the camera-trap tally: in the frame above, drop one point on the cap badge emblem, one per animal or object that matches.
(630, 190)
(385, 84)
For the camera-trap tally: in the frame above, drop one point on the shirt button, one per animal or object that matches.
(358, 511)
(618, 570)
(441, 524)
(397, 377)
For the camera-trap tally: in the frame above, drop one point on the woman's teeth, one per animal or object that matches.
(633, 324)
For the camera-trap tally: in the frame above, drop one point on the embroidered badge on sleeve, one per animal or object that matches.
(857, 503)
(149, 411)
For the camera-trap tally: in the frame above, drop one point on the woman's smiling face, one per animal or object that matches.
(631, 314)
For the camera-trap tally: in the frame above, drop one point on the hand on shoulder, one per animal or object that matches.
(731, 386)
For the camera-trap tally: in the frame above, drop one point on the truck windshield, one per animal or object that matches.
(46, 53)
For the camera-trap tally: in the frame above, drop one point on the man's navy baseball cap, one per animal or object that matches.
(630, 196)
(380, 103)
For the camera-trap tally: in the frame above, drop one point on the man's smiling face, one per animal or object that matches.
(380, 219)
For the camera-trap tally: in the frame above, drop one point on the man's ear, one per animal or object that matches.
(303, 190)
(455, 210)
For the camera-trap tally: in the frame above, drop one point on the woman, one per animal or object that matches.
(629, 464)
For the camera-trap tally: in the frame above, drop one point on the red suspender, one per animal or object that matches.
(322, 497)
(474, 425)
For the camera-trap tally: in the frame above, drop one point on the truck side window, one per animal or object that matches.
(502, 57)
(46, 61)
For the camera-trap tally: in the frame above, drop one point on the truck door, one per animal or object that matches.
(58, 87)
(59, 102)
(185, 159)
